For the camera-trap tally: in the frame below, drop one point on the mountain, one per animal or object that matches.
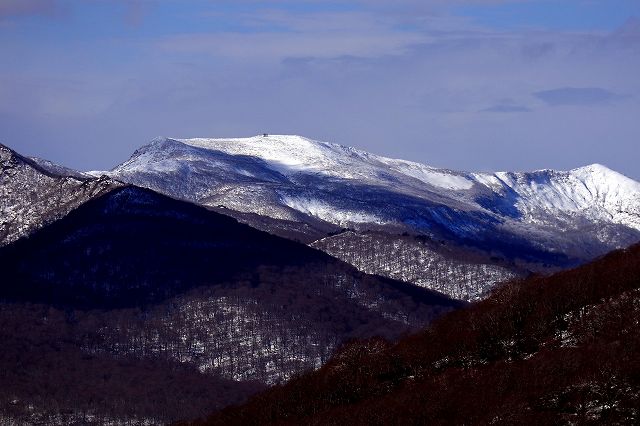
(546, 350)
(327, 195)
(36, 192)
(107, 284)
(136, 276)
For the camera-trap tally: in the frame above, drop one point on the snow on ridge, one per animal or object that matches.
(286, 151)
(595, 172)
(432, 176)
(292, 153)
(593, 192)
(59, 169)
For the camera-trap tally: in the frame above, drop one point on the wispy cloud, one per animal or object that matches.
(507, 108)
(11, 8)
(136, 11)
(279, 34)
(280, 46)
(577, 96)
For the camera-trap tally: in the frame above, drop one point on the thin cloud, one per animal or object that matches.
(567, 96)
(507, 108)
(278, 46)
(136, 11)
(13, 8)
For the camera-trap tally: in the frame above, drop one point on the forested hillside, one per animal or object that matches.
(34, 194)
(134, 278)
(556, 350)
(458, 273)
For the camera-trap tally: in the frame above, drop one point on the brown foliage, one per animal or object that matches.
(546, 350)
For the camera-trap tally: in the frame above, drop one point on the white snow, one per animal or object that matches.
(593, 193)
(329, 213)
(285, 153)
(439, 178)
(448, 181)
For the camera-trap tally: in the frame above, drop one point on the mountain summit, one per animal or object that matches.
(293, 178)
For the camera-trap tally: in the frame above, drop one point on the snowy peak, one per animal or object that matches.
(599, 175)
(296, 179)
(292, 154)
(286, 153)
(593, 192)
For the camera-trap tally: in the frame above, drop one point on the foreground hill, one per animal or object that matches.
(48, 378)
(136, 276)
(556, 350)
(304, 189)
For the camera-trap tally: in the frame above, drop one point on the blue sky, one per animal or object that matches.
(462, 84)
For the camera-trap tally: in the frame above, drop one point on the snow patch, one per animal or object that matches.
(329, 213)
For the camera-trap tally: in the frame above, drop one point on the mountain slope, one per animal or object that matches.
(271, 165)
(47, 378)
(459, 273)
(34, 193)
(555, 350)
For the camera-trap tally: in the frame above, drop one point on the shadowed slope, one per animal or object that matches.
(136, 276)
(133, 246)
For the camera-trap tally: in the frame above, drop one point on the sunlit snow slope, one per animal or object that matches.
(579, 213)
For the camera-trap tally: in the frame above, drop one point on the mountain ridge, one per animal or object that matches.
(34, 193)
(542, 220)
(312, 192)
(286, 155)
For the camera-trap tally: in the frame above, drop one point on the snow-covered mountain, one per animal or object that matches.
(36, 192)
(579, 213)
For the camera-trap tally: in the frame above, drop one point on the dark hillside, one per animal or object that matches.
(133, 246)
(47, 378)
(132, 282)
(555, 350)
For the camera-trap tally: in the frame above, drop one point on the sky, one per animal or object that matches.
(478, 85)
